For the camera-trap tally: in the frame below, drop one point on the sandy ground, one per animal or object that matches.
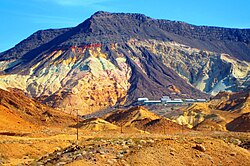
(220, 148)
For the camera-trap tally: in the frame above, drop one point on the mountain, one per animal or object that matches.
(114, 58)
(19, 112)
(37, 39)
(142, 119)
(240, 124)
(96, 124)
(131, 116)
(225, 112)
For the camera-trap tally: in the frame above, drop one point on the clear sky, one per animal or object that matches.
(21, 18)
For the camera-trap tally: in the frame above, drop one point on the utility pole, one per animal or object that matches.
(121, 127)
(164, 129)
(77, 125)
(182, 127)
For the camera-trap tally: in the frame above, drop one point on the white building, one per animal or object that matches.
(152, 102)
(142, 99)
(189, 100)
(165, 98)
(175, 101)
(201, 100)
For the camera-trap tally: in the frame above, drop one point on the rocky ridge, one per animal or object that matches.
(225, 112)
(158, 151)
(113, 58)
(20, 113)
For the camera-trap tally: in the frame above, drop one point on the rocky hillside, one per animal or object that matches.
(141, 118)
(178, 150)
(112, 59)
(241, 124)
(18, 112)
(226, 111)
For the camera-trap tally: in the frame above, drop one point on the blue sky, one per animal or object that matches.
(21, 18)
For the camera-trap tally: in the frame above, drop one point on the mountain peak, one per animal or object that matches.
(114, 58)
(100, 13)
(105, 28)
(136, 16)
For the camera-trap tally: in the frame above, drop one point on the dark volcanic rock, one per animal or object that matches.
(104, 27)
(240, 124)
(41, 56)
(34, 41)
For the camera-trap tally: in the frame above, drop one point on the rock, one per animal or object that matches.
(90, 147)
(103, 141)
(236, 141)
(39, 163)
(211, 159)
(78, 157)
(61, 163)
(102, 152)
(58, 153)
(119, 155)
(169, 139)
(84, 152)
(1, 161)
(172, 153)
(125, 147)
(102, 156)
(233, 154)
(200, 148)
(151, 141)
(57, 149)
(197, 155)
(123, 152)
(26, 157)
(143, 142)
(110, 162)
(48, 160)
(172, 149)
(129, 142)
(127, 150)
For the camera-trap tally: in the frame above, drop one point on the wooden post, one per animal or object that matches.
(182, 127)
(77, 124)
(164, 129)
(121, 128)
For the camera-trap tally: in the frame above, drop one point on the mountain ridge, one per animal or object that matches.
(114, 58)
(175, 27)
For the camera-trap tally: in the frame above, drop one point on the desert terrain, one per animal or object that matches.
(134, 136)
